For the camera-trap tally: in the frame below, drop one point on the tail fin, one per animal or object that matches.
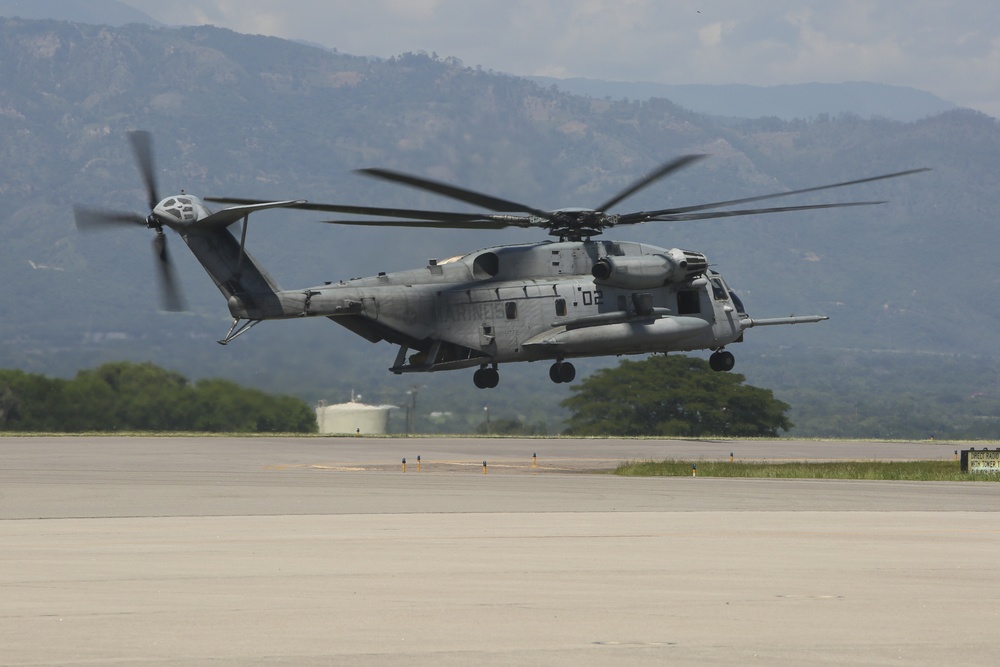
(250, 291)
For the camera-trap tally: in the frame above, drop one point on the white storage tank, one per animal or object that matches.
(353, 418)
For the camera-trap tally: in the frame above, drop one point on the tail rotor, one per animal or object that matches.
(91, 220)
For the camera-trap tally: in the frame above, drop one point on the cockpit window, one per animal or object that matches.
(719, 290)
(738, 302)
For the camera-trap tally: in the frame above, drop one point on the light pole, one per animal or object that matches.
(486, 409)
(411, 410)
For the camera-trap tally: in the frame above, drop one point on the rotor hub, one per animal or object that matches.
(579, 224)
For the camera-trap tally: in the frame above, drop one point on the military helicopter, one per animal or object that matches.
(569, 297)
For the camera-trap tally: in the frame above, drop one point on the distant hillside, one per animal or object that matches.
(98, 12)
(787, 102)
(252, 116)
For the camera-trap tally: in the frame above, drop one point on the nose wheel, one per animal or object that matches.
(722, 361)
(562, 371)
(486, 378)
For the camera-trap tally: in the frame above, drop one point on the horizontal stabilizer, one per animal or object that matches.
(228, 216)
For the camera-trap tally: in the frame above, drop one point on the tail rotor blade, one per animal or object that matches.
(92, 219)
(142, 146)
(170, 295)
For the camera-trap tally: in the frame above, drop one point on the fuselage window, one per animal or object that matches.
(688, 302)
(510, 309)
(560, 307)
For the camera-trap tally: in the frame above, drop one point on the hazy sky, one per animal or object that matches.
(948, 47)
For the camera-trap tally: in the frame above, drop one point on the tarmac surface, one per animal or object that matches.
(317, 551)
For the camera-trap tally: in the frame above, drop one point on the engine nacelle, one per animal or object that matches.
(649, 271)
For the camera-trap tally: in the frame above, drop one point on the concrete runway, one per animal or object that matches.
(316, 551)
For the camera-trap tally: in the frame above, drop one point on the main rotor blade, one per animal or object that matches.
(681, 217)
(650, 215)
(92, 219)
(170, 295)
(481, 223)
(647, 180)
(454, 192)
(142, 146)
(361, 210)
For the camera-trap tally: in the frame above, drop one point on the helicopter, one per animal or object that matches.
(568, 297)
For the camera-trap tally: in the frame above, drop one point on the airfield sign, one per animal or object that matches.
(981, 461)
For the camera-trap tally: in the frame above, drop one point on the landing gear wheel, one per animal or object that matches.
(722, 361)
(486, 378)
(554, 372)
(562, 371)
(567, 372)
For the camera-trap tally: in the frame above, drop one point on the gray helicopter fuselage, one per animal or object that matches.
(531, 302)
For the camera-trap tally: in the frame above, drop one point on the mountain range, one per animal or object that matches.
(787, 102)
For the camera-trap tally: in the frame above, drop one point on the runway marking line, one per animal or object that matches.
(382, 467)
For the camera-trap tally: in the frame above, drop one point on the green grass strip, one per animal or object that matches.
(921, 471)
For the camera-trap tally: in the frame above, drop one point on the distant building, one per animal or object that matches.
(353, 418)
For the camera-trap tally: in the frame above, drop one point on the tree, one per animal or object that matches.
(669, 395)
(29, 400)
(10, 406)
(225, 406)
(127, 396)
